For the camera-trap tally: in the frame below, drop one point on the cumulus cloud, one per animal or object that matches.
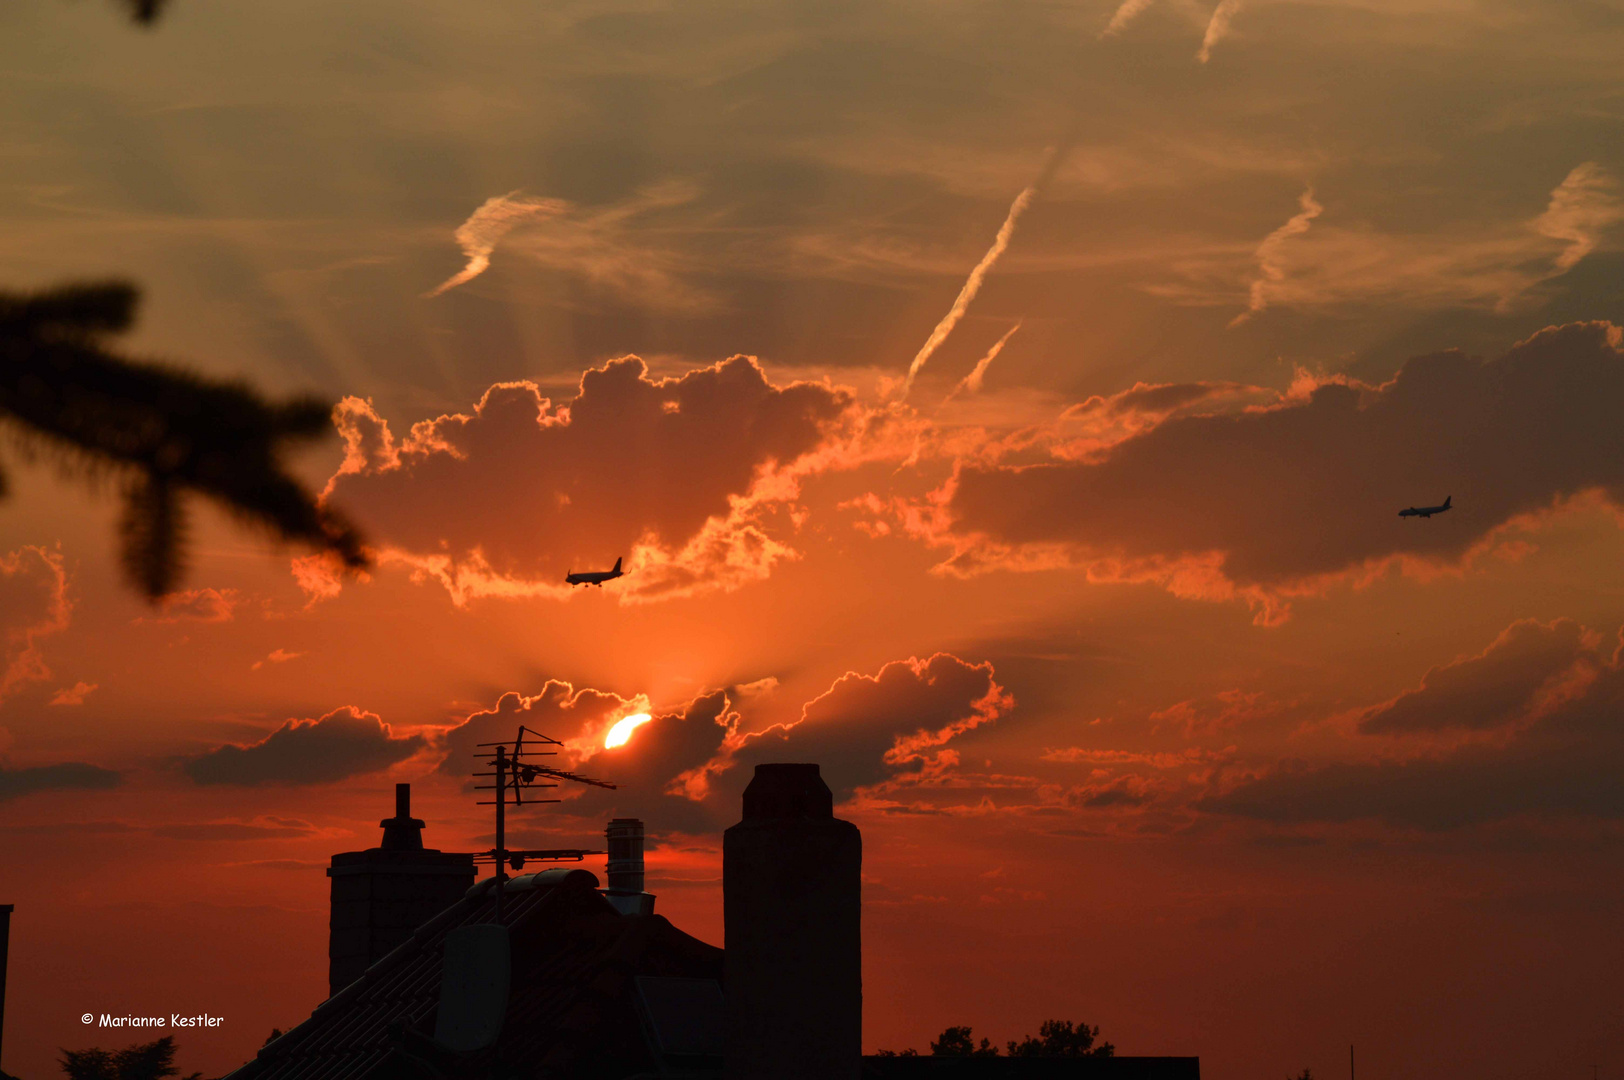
(866, 729)
(34, 604)
(1282, 500)
(67, 776)
(686, 767)
(682, 476)
(1530, 662)
(1559, 748)
(343, 743)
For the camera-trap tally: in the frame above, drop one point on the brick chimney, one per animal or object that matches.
(384, 893)
(793, 967)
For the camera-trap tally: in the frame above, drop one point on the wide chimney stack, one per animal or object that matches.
(384, 893)
(792, 904)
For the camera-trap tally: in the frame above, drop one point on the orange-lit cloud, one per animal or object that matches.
(34, 604)
(678, 475)
(1559, 752)
(343, 743)
(486, 226)
(1277, 501)
(73, 695)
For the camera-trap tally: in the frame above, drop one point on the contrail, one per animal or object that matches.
(972, 284)
(1217, 27)
(1127, 13)
(1269, 270)
(971, 383)
(495, 218)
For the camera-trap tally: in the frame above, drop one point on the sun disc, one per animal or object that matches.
(623, 730)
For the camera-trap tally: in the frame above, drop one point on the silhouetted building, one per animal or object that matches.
(792, 902)
(578, 981)
(382, 894)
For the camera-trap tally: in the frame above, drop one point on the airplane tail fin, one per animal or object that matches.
(617, 566)
(1446, 507)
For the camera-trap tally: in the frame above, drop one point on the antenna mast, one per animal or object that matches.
(514, 772)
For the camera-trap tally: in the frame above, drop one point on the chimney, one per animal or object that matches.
(792, 906)
(625, 872)
(5, 947)
(381, 895)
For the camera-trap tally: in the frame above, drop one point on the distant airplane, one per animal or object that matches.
(1414, 511)
(598, 577)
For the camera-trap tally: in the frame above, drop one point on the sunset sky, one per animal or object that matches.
(1006, 405)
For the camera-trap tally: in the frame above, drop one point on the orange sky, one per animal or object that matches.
(1104, 628)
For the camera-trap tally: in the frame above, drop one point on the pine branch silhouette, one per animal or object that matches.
(144, 12)
(163, 430)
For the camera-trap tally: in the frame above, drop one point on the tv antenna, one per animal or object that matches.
(515, 772)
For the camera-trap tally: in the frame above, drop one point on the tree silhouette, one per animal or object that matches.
(957, 1042)
(1058, 1038)
(162, 430)
(143, 1061)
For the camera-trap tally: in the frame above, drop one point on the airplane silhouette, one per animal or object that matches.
(1414, 511)
(593, 577)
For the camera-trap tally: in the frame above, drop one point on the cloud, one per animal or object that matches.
(1270, 271)
(1582, 207)
(1284, 500)
(614, 248)
(578, 718)
(73, 695)
(67, 776)
(199, 605)
(277, 656)
(971, 383)
(272, 828)
(34, 604)
(1499, 266)
(345, 742)
(1530, 661)
(681, 475)
(972, 284)
(1127, 12)
(866, 729)
(1554, 755)
(1218, 27)
(494, 219)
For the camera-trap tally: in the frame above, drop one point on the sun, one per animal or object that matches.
(623, 730)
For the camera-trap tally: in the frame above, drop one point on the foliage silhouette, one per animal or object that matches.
(956, 1042)
(144, 12)
(1058, 1038)
(143, 1061)
(165, 431)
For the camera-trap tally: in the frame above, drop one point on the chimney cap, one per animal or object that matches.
(788, 791)
(402, 832)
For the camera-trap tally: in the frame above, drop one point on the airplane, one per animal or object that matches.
(593, 577)
(1414, 511)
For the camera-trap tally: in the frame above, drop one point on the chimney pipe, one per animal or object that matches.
(792, 905)
(5, 948)
(625, 873)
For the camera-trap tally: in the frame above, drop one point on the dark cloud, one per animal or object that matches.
(274, 829)
(1271, 499)
(558, 711)
(1562, 755)
(525, 489)
(1495, 688)
(869, 728)
(68, 775)
(346, 742)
